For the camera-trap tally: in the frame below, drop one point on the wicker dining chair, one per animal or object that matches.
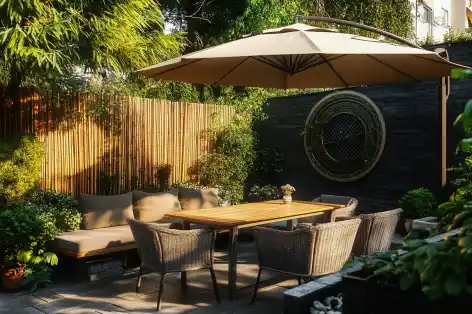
(306, 252)
(376, 232)
(165, 251)
(350, 204)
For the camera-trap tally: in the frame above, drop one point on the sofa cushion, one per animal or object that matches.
(100, 211)
(83, 241)
(149, 207)
(191, 199)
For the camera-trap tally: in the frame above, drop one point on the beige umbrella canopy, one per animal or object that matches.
(303, 56)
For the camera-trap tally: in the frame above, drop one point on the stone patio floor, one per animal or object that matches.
(118, 295)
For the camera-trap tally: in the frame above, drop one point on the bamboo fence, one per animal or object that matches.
(108, 144)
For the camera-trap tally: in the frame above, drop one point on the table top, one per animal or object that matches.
(253, 213)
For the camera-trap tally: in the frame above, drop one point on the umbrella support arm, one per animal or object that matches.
(356, 25)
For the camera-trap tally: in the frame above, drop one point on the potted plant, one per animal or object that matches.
(264, 193)
(421, 278)
(417, 203)
(287, 191)
(12, 277)
(25, 230)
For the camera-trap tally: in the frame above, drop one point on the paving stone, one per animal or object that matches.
(47, 295)
(20, 301)
(173, 301)
(94, 307)
(61, 305)
(32, 310)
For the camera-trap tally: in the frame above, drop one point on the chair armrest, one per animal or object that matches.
(186, 249)
(286, 251)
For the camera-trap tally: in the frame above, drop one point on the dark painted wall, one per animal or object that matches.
(411, 155)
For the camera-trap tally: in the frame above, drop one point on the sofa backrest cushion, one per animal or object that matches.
(100, 211)
(197, 199)
(151, 207)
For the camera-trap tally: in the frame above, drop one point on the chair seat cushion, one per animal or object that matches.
(82, 241)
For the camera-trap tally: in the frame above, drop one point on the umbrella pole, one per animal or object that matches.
(356, 25)
(443, 95)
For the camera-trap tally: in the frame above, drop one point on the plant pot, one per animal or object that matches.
(287, 198)
(363, 294)
(12, 278)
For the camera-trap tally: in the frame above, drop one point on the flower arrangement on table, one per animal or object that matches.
(287, 191)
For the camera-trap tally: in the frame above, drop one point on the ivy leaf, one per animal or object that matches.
(466, 144)
(36, 259)
(406, 281)
(460, 73)
(25, 256)
(51, 259)
(452, 286)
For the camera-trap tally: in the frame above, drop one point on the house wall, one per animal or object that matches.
(457, 18)
(411, 155)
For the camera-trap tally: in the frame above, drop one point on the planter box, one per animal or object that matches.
(362, 295)
(425, 223)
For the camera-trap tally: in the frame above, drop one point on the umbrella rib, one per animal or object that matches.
(230, 71)
(269, 63)
(310, 64)
(391, 67)
(314, 65)
(179, 66)
(335, 72)
(435, 61)
(283, 63)
(307, 62)
(303, 61)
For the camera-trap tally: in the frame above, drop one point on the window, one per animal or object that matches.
(425, 14)
(445, 17)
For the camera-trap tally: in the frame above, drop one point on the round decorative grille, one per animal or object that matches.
(344, 136)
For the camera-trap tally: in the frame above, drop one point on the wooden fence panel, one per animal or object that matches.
(107, 144)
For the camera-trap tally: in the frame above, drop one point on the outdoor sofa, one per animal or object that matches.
(104, 227)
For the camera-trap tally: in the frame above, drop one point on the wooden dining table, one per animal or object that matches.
(234, 218)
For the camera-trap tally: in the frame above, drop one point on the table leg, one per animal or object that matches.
(233, 260)
(183, 274)
(290, 224)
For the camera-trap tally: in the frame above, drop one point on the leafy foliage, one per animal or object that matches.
(229, 165)
(63, 207)
(440, 269)
(20, 165)
(25, 230)
(393, 16)
(418, 203)
(265, 193)
(46, 40)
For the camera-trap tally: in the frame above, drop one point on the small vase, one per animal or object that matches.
(287, 198)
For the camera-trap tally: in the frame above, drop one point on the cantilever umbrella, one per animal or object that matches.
(303, 56)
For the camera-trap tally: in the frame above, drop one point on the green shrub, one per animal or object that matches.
(228, 167)
(265, 193)
(20, 166)
(25, 230)
(418, 203)
(63, 207)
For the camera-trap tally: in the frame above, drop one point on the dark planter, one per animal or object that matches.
(362, 295)
(12, 278)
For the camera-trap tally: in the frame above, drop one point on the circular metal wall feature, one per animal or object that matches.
(344, 136)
